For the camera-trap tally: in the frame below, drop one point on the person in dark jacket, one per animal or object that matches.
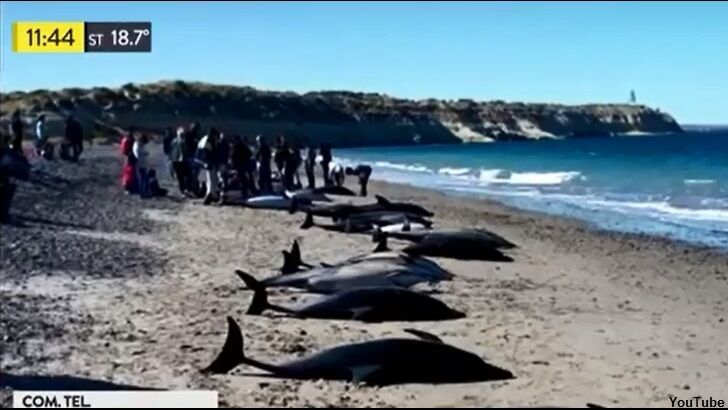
(263, 156)
(7, 188)
(326, 159)
(281, 155)
(241, 157)
(16, 130)
(192, 138)
(363, 172)
(73, 139)
(310, 165)
(222, 159)
(290, 167)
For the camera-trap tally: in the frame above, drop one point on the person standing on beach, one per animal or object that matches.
(142, 171)
(264, 166)
(73, 138)
(192, 138)
(363, 172)
(128, 172)
(178, 157)
(207, 157)
(241, 157)
(222, 158)
(167, 139)
(41, 136)
(281, 155)
(16, 130)
(310, 165)
(290, 167)
(326, 159)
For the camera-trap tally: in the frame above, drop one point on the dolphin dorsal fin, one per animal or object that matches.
(381, 245)
(424, 335)
(381, 200)
(296, 253)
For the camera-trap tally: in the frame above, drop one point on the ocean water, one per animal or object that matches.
(668, 185)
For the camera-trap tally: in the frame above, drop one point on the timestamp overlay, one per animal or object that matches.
(81, 37)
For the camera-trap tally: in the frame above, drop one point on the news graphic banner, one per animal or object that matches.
(121, 399)
(81, 37)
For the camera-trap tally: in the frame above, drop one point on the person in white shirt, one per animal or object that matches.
(41, 136)
(141, 154)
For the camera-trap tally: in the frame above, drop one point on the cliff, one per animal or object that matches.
(339, 117)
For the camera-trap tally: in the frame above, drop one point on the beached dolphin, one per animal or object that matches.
(405, 226)
(363, 304)
(293, 263)
(275, 202)
(335, 190)
(468, 244)
(343, 211)
(394, 270)
(366, 222)
(484, 236)
(377, 362)
(346, 226)
(307, 195)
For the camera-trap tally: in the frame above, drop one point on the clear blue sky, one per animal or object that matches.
(675, 55)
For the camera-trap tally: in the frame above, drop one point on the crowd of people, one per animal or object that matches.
(14, 160)
(229, 163)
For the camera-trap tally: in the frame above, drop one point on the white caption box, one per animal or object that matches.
(115, 399)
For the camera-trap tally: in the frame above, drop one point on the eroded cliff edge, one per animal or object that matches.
(341, 118)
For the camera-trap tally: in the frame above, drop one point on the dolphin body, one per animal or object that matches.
(367, 221)
(343, 211)
(379, 362)
(292, 261)
(274, 202)
(467, 244)
(363, 304)
(386, 269)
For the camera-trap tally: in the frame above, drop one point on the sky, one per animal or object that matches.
(674, 55)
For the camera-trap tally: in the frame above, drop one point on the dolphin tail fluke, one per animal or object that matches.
(382, 200)
(308, 222)
(381, 244)
(232, 351)
(260, 296)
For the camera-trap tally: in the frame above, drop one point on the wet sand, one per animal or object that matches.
(106, 287)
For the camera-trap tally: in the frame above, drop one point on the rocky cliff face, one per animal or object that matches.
(338, 117)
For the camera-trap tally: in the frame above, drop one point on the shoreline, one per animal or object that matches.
(141, 299)
(562, 219)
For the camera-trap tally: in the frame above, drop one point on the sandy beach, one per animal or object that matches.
(109, 288)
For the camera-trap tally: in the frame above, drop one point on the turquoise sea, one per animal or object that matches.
(669, 185)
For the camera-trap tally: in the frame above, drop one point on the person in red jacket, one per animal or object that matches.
(128, 172)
